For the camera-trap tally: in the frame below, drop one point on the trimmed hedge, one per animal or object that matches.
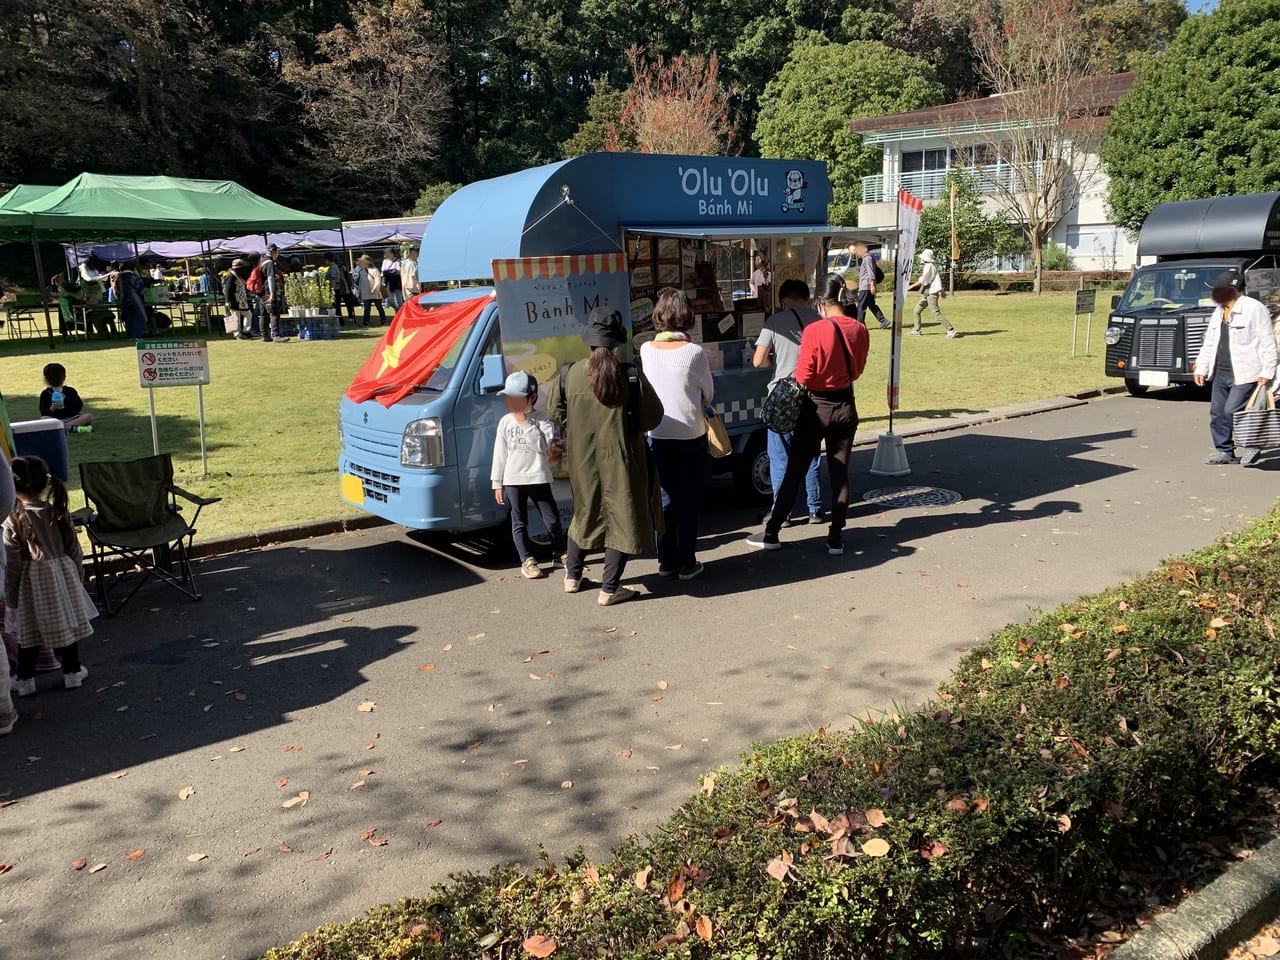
(1059, 752)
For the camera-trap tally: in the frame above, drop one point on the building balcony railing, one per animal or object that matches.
(931, 184)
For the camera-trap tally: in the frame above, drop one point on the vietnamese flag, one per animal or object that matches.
(413, 346)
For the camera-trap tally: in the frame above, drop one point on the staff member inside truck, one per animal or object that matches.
(1239, 352)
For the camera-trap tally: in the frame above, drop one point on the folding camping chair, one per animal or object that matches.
(131, 510)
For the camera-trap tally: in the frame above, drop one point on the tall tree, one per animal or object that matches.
(674, 106)
(1203, 119)
(1036, 56)
(375, 98)
(806, 109)
(979, 234)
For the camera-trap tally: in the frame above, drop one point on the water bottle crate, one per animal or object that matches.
(319, 328)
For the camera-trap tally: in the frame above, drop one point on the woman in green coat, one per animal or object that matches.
(605, 408)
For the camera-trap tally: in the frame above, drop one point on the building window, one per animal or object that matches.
(916, 161)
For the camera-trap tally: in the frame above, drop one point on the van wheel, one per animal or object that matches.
(1135, 388)
(751, 469)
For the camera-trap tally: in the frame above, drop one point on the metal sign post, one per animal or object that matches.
(164, 363)
(1086, 300)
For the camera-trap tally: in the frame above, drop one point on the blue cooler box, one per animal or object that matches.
(45, 438)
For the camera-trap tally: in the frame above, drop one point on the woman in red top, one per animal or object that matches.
(833, 353)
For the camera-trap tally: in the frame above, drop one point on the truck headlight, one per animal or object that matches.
(1112, 336)
(423, 444)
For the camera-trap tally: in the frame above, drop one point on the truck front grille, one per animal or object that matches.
(1195, 330)
(1155, 346)
(378, 486)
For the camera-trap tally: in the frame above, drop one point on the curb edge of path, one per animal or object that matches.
(239, 542)
(1209, 923)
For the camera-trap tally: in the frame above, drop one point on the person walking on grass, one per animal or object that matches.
(833, 353)
(869, 277)
(44, 596)
(930, 287)
(369, 288)
(780, 339)
(680, 374)
(523, 453)
(1238, 355)
(605, 408)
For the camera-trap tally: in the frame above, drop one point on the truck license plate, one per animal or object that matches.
(1153, 378)
(353, 488)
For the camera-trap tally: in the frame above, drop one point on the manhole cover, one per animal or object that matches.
(912, 496)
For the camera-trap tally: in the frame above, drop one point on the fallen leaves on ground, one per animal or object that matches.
(539, 946)
(194, 857)
(5, 868)
(358, 784)
(875, 818)
(282, 782)
(97, 867)
(186, 793)
(300, 800)
(434, 823)
(703, 926)
(136, 855)
(283, 848)
(120, 775)
(367, 707)
(325, 855)
(876, 847)
(79, 864)
(426, 666)
(662, 684)
(567, 784)
(251, 851)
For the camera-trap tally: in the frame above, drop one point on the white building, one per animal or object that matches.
(920, 147)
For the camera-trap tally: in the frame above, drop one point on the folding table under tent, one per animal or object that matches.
(106, 207)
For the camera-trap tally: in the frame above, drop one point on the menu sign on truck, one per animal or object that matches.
(164, 363)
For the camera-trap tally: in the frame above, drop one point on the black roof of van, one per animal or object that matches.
(1189, 228)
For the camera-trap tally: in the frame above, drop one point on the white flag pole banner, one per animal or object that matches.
(891, 459)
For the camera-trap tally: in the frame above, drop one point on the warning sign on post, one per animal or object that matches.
(163, 363)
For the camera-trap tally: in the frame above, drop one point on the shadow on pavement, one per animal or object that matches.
(266, 620)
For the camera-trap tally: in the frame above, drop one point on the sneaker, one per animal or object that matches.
(530, 570)
(572, 586)
(25, 688)
(666, 571)
(281, 339)
(1220, 459)
(621, 595)
(689, 573)
(1251, 455)
(266, 338)
(6, 726)
(915, 333)
(885, 324)
(953, 333)
(72, 681)
(815, 519)
(763, 541)
(835, 545)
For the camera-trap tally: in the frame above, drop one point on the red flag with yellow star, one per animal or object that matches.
(413, 346)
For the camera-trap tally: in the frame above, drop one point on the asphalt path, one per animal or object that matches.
(500, 714)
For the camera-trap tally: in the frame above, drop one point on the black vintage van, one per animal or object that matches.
(1157, 326)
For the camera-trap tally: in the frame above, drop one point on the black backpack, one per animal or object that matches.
(879, 274)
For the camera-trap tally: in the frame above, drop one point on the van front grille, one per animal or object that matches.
(378, 486)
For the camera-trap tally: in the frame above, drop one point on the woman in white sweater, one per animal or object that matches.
(681, 377)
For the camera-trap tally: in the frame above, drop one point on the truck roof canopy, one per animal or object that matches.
(582, 206)
(1190, 228)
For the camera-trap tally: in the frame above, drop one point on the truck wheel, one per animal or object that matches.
(1135, 388)
(751, 469)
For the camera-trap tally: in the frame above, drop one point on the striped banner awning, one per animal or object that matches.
(538, 268)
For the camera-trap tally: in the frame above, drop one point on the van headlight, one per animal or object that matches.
(423, 444)
(1112, 336)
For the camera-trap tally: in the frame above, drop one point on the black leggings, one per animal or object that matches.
(824, 416)
(540, 495)
(68, 656)
(614, 563)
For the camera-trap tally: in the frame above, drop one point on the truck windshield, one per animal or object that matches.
(1171, 286)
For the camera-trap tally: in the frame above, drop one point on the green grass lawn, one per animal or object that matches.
(271, 409)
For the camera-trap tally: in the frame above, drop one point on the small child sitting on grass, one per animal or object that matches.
(63, 403)
(522, 458)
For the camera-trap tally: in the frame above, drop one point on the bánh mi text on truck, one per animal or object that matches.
(545, 246)
(1157, 325)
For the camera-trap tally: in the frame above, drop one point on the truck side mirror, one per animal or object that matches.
(493, 373)
(1115, 301)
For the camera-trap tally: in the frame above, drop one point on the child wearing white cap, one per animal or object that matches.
(522, 456)
(930, 287)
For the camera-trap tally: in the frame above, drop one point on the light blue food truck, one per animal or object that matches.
(688, 222)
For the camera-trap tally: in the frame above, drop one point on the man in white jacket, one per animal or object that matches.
(1239, 352)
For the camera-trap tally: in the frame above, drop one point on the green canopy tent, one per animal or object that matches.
(106, 207)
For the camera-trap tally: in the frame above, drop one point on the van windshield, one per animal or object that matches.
(1171, 286)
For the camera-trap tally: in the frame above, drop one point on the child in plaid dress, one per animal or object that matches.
(45, 600)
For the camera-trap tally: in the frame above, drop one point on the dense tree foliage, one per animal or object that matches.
(221, 87)
(806, 110)
(1203, 120)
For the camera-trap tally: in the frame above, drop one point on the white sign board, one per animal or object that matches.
(164, 363)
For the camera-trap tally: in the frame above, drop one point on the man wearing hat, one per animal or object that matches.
(1238, 354)
(235, 294)
(930, 287)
